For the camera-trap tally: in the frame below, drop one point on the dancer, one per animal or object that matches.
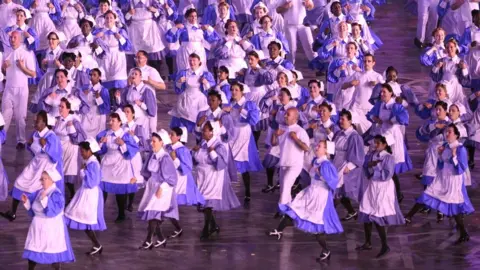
(85, 211)
(313, 211)
(159, 202)
(117, 148)
(447, 192)
(47, 153)
(378, 202)
(213, 177)
(47, 241)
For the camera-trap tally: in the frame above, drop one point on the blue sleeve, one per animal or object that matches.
(329, 173)
(80, 135)
(375, 111)
(167, 170)
(466, 40)
(375, 97)
(209, 16)
(437, 77)
(253, 113)
(409, 95)
(211, 37)
(284, 41)
(462, 164)
(186, 164)
(423, 112)
(55, 204)
(3, 136)
(105, 107)
(331, 77)
(35, 44)
(428, 60)
(355, 150)
(56, 17)
(132, 146)
(171, 37)
(150, 101)
(178, 75)
(145, 172)
(31, 198)
(400, 114)
(127, 46)
(226, 90)
(211, 80)
(93, 175)
(103, 148)
(220, 162)
(386, 170)
(53, 148)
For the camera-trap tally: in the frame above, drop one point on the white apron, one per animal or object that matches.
(114, 64)
(70, 154)
(83, 207)
(115, 168)
(144, 32)
(149, 201)
(241, 137)
(191, 101)
(93, 122)
(195, 44)
(209, 180)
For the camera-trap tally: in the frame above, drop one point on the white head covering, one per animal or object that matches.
(74, 103)
(191, 6)
(53, 173)
(51, 120)
(288, 73)
(298, 73)
(93, 145)
(61, 36)
(260, 53)
(246, 89)
(2, 121)
(460, 106)
(217, 129)
(123, 116)
(184, 137)
(28, 14)
(261, 5)
(163, 134)
(90, 19)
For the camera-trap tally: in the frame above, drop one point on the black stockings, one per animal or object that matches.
(93, 237)
(246, 183)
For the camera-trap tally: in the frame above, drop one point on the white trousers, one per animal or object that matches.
(306, 39)
(427, 19)
(14, 103)
(288, 175)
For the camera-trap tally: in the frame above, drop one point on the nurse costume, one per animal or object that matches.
(231, 54)
(68, 21)
(50, 103)
(45, 18)
(452, 76)
(94, 108)
(48, 241)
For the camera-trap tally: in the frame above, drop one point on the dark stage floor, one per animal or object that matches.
(242, 243)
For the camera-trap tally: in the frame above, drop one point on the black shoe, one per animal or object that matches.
(205, 234)
(246, 201)
(120, 219)
(383, 252)
(160, 243)
(277, 215)
(426, 210)
(214, 230)
(364, 247)
(20, 146)
(418, 43)
(275, 233)
(440, 217)
(268, 189)
(200, 208)
(130, 208)
(8, 215)
(277, 186)
(95, 250)
(324, 256)
(419, 176)
(146, 245)
(176, 234)
(408, 220)
(350, 216)
(462, 239)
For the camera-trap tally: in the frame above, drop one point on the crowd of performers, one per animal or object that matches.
(96, 67)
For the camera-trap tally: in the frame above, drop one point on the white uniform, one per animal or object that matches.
(15, 96)
(7, 14)
(427, 19)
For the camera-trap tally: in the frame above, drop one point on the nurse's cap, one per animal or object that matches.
(93, 145)
(53, 173)
(90, 19)
(298, 73)
(74, 103)
(28, 14)
(184, 137)
(74, 51)
(191, 6)
(217, 129)
(51, 120)
(330, 148)
(123, 116)
(246, 89)
(461, 108)
(2, 121)
(163, 134)
(287, 73)
(260, 53)
(261, 5)
(61, 36)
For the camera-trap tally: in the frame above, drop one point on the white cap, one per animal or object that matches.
(287, 73)
(184, 137)
(51, 120)
(461, 108)
(2, 121)
(61, 36)
(217, 129)
(163, 134)
(261, 5)
(330, 148)
(298, 73)
(74, 51)
(53, 173)
(191, 6)
(90, 19)
(74, 103)
(260, 53)
(246, 89)
(123, 116)
(28, 14)
(93, 144)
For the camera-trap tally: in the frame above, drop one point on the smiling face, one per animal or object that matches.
(156, 143)
(213, 102)
(53, 41)
(62, 80)
(441, 93)
(129, 113)
(207, 133)
(266, 24)
(194, 62)
(192, 18)
(109, 20)
(385, 95)
(237, 93)
(356, 32)
(282, 79)
(392, 76)
(314, 90)
(344, 123)
(86, 28)
(259, 13)
(46, 181)
(103, 7)
(439, 36)
(63, 109)
(274, 51)
(114, 123)
(451, 48)
(324, 113)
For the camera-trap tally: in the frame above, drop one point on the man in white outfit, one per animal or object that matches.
(293, 141)
(294, 13)
(427, 21)
(18, 66)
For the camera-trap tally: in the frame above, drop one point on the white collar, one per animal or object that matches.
(197, 72)
(319, 160)
(327, 123)
(97, 87)
(55, 51)
(114, 29)
(131, 124)
(390, 103)
(458, 120)
(66, 119)
(212, 141)
(240, 102)
(23, 27)
(222, 83)
(269, 32)
(318, 99)
(139, 87)
(177, 145)
(381, 154)
(160, 153)
(189, 25)
(277, 59)
(91, 159)
(349, 130)
(454, 58)
(454, 144)
(215, 113)
(43, 132)
(118, 133)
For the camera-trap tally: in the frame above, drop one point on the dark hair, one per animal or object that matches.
(68, 104)
(156, 136)
(66, 55)
(129, 106)
(254, 54)
(178, 131)
(390, 69)
(103, 2)
(43, 115)
(286, 91)
(383, 140)
(144, 53)
(334, 3)
(215, 93)
(317, 82)
(189, 12)
(475, 12)
(369, 54)
(388, 87)
(442, 104)
(357, 24)
(229, 21)
(236, 83)
(21, 10)
(61, 70)
(115, 115)
(194, 55)
(294, 73)
(347, 114)
(110, 12)
(82, 21)
(209, 126)
(455, 130)
(52, 33)
(223, 69)
(275, 43)
(136, 69)
(97, 71)
(326, 105)
(353, 43)
(264, 17)
(86, 146)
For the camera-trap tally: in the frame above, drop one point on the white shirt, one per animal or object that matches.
(363, 91)
(291, 154)
(15, 77)
(148, 71)
(295, 14)
(7, 14)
